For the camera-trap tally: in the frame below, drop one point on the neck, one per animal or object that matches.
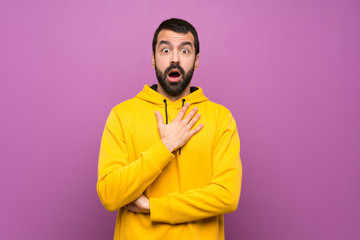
(174, 98)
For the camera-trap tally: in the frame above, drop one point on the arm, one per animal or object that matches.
(119, 180)
(219, 197)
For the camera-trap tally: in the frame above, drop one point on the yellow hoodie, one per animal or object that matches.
(189, 190)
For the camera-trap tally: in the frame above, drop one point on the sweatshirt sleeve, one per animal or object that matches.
(219, 197)
(121, 181)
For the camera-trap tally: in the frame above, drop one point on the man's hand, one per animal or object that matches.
(175, 134)
(140, 205)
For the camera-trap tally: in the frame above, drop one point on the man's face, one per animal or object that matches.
(174, 61)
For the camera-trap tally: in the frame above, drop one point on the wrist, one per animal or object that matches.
(168, 144)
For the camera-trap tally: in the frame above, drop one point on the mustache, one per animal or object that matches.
(174, 66)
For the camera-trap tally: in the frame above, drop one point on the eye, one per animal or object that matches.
(166, 50)
(185, 50)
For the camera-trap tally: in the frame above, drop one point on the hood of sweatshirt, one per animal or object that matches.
(150, 95)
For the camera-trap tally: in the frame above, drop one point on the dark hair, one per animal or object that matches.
(179, 26)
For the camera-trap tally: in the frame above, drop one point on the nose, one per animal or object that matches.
(175, 58)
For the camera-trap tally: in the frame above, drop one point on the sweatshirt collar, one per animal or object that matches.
(150, 95)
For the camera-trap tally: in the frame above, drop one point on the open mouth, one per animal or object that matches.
(174, 75)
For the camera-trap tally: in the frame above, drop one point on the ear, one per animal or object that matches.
(153, 60)
(196, 61)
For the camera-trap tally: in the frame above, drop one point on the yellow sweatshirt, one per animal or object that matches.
(189, 190)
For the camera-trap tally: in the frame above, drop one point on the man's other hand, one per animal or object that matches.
(140, 205)
(175, 134)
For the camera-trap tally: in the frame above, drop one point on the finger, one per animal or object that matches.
(159, 117)
(132, 207)
(191, 114)
(143, 197)
(196, 130)
(139, 200)
(193, 121)
(182, 112)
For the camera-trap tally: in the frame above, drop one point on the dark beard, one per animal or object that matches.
(174, 88)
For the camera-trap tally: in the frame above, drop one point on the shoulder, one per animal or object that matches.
(126, 106)
(221, 116)
(218, 110)
(121, 111)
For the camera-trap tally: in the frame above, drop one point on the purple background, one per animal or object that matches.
(288, 70)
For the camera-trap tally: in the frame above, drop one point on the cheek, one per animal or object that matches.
(189, 64)
(161, 63)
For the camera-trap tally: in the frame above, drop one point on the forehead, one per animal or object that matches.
(174, 37)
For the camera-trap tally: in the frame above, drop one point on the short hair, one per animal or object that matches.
(179, 26)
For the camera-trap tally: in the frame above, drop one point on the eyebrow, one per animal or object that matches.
(164, 42)
(186, 43)
(168, 43)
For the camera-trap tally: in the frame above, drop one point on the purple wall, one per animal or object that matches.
(288, 70)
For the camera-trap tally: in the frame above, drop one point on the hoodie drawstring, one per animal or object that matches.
(166, 111)
(183, 102)
(166, 115)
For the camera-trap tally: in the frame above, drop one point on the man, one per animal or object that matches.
(168, 175)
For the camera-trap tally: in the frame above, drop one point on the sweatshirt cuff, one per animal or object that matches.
(160, 209)
(160, 156)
